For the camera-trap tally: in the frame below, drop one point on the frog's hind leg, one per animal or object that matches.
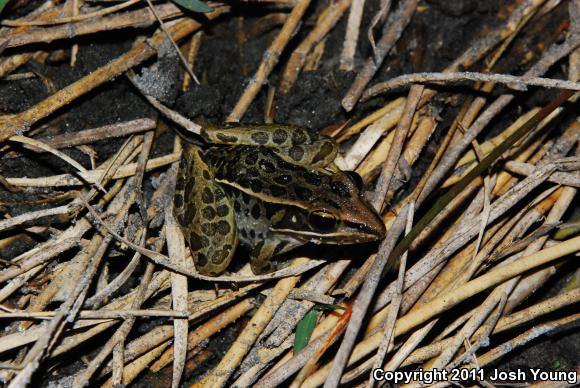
(294, 144)
(205, 214)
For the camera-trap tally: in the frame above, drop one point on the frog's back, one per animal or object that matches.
(259, 172)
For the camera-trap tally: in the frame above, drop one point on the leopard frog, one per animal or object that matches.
(270, 187)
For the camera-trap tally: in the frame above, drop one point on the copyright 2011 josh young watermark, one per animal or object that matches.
(471, 374)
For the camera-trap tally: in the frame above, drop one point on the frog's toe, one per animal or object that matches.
(260, 268)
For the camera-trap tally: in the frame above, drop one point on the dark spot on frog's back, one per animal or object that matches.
(195, 242)
(279, 136)
(312, 178)
(278, 191)
(223, 228)
(189, 186)
(208, 213)
(208, 228)
(256, 211)
(296, 153)
(206, 175)
(180, 185)
(299, 136)
(244, 180)
(189, 213)
(256, 186)
(222, 210)
(219, 194)
(207, 196)
(260, 137)
(253, 172)
(251, 158)
(178, 201)
(303, 193)
(201, 260)
(283, 179)
(226, 138)
(267, 166)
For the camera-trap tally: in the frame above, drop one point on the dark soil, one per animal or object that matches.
(435, 37)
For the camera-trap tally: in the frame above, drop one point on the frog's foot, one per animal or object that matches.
(261, 257)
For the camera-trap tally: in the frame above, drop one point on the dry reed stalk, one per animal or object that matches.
(209, 328)
(351, 38)
(429, 310)
(142, 17)
(368, 120)
(270, 59)
(326, 22)
(70, 19)
(391, 33)
(220, 374)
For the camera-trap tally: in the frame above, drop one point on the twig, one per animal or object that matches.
(100, 314)
(269, 60)
(92, 176)
(396, 148)
(442, 303)
(88, 136)
(561, 178)
(550, 57)
(387, 343)
(142, 17)
(71, 19)
(323, 27)
(351, 36)
(220, 374)
(519, 83)
(361, 303)
(391, 32)
(47, 148)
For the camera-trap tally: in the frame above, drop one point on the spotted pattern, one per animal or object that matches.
(205, 214)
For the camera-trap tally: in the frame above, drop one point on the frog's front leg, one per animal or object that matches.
(294, 144)
(264, 251)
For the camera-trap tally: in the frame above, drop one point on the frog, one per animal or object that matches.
(271, 188)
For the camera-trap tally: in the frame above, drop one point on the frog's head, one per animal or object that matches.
(335, 213)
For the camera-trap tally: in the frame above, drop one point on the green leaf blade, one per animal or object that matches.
(3, 4)
(304, 330)
(192, 5)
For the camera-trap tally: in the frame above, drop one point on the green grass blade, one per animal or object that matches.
(192, 5)
(304, 330)
(3, 4)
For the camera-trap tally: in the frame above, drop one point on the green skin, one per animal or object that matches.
(270, 187)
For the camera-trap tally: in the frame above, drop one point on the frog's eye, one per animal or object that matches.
(322, 220)
(356, 178)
